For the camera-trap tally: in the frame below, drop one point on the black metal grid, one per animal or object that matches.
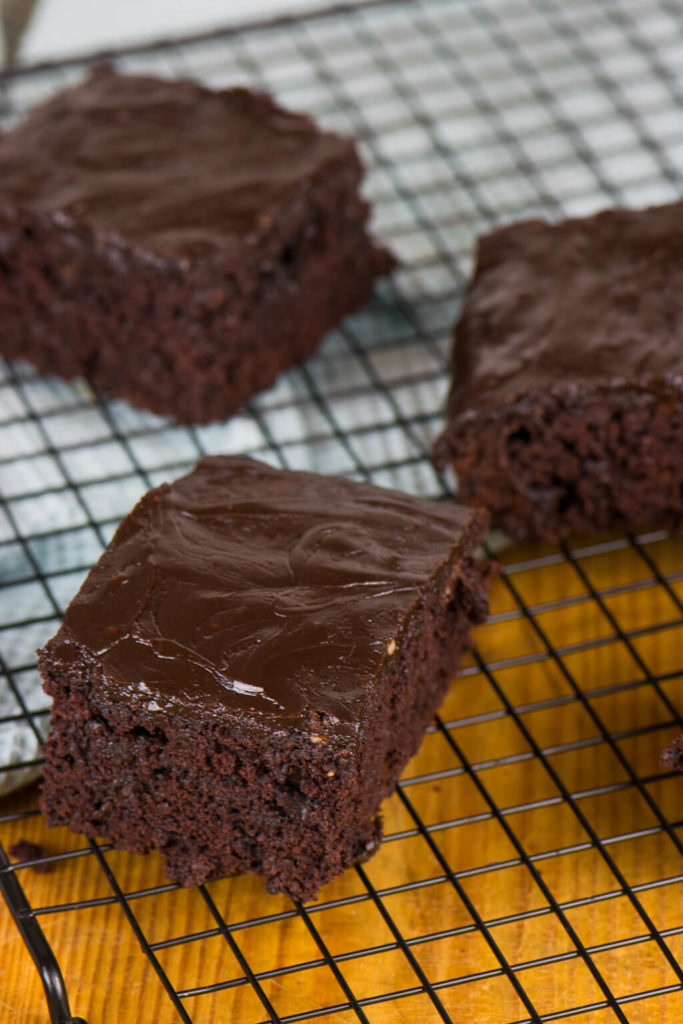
(469, 114)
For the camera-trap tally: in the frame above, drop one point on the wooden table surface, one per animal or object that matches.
(587, 848)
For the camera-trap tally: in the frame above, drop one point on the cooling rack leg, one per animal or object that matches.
(37, 944)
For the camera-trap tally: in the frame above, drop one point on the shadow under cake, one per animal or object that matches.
(566, 408)
(250, 665)
(177, 246)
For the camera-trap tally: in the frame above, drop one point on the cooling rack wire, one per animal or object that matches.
(532, 865)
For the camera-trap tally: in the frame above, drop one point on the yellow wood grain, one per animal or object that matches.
(110, 979)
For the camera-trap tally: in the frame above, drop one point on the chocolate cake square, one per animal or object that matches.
(177, 246)
(248, 668)
(566, 409)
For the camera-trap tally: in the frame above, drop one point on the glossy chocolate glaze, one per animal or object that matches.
(278, 593)
(584, 303)
(169, 165)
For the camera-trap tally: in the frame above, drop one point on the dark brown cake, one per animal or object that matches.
(177, 246)
(566, 410)
(248, 668)
(25, 850)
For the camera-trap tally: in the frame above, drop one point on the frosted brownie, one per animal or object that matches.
(177, 246)
(250, 665)
(566, 409)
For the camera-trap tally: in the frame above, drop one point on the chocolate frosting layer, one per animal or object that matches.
(169, 165)
(591, 301)
(278, 593)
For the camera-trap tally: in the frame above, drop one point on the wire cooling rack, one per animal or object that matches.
(532, 867)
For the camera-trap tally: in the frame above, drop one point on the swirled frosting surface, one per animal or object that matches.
(273, 591)
(168, 165)
(594, 300)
